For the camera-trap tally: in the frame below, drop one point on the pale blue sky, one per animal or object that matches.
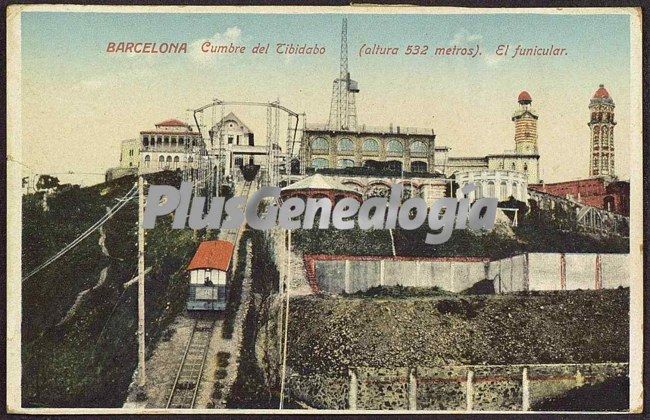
(79, 102)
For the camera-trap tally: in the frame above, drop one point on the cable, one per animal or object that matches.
(286, 320)
(111, 212)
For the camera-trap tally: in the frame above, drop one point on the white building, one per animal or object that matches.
(500, 184)
(235, 143)
(171, 145)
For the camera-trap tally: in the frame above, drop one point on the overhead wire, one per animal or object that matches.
(110, 213)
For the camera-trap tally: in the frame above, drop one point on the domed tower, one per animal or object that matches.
(525, 126)
(602, 133)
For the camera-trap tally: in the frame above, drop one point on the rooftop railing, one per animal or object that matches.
(362, 128)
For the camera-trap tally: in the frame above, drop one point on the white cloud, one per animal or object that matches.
(464, 38)
(232, 34)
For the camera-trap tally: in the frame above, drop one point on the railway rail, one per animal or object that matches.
(190, 372)
(189, 375)
(232, 235)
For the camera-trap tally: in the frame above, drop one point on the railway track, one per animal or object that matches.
(188, 378)
(232, 235)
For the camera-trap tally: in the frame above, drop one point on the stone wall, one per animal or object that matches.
(453, 388)
(276, 239)
(527, 272)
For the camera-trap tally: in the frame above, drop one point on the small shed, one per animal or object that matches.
(211, 263)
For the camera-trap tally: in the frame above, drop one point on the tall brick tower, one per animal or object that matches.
(602, 133)
(525, 126)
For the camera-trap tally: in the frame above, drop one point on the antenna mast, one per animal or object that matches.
(343, 110)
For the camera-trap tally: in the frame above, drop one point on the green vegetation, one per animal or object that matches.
(249, 389)
(89, 359)
(328, 334)
(538, 231)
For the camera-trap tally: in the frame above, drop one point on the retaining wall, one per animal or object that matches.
(531, 271)
(459, 388)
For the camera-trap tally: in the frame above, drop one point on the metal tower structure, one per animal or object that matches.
(343, 110)
(211, 163)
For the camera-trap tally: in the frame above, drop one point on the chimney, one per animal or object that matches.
(390, 128)
(398, 129)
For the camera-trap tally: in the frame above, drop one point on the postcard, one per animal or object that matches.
(318, 210)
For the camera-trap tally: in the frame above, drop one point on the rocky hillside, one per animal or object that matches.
(328, 334)
(80, 313)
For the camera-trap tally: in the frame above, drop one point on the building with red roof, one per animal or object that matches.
(171, 145)
(597, 192)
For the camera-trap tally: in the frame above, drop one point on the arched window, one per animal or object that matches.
(320, 144)
(418, 147)
(513, 166)
(346, 145)
(159, 141)
(503, 193)
(320, 163)
(525, 167)
(145, 141)
(394, 146)
(345, 163)
(169, 159)
(478, 192)
(418, 166)
(490, 189)
(147, 161)
(515, 191)
(166, 141)
(370, 145)
(177, 160)
(174, 141)
(161, 161)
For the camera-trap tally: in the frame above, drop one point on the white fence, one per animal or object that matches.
(530, 271)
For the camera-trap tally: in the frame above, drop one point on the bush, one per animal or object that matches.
(399, 291)
(221, 373)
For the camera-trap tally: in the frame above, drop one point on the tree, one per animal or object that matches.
(47, 182)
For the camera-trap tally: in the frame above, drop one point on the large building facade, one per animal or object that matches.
(523, 159)
(596, 192)
(602, 124)
(408, 149)
(171, 145)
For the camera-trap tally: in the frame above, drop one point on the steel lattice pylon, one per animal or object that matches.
(343, 109)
